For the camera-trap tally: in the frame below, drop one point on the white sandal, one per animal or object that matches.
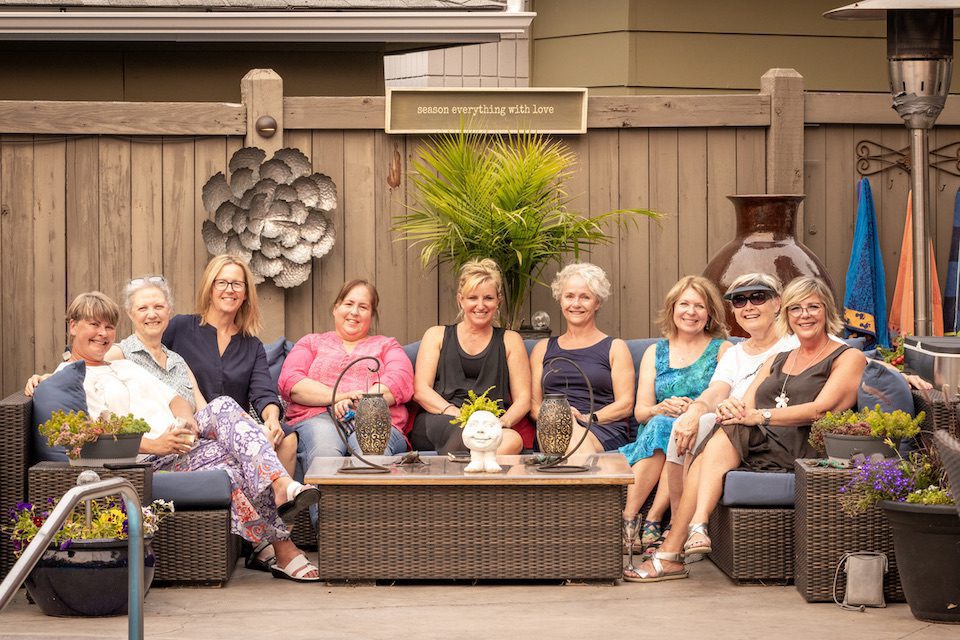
(299, 497)
(295, 570)
(691, 547)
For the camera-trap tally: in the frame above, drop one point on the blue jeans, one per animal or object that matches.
(317, 436)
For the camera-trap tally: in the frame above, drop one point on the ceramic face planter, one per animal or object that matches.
(482, 435)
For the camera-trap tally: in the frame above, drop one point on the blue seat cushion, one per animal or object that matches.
(276, 353)
(411, 351)
(193, 490)
(757, 489)
(63, 391)
(885, 387)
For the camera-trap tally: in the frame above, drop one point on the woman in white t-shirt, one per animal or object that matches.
(221, 435)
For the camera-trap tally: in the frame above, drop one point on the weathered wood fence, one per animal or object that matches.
(94, 193)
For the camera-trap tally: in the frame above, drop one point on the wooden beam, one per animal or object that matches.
(122, 118)
(865, 109)
(262, 93)
(785, 136)
(361, 112)
(678, 111)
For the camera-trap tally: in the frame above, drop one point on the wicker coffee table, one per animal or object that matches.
(823, 533)
(434, 522)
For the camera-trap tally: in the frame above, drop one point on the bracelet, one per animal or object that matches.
(444, 410)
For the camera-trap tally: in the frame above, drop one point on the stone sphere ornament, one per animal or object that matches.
(482, 435)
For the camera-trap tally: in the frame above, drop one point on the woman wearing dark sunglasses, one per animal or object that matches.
(768, 429)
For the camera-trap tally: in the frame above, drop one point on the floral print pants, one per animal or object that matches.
(232, 441)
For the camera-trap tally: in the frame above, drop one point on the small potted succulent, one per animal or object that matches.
(842, 435)
(482, 431)
(87, 551)
(913, 496)
(94, 442)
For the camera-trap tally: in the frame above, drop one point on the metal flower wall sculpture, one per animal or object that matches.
(273, 213)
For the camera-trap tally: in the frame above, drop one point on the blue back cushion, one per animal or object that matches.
(889, 389)
(276, 353)
(63, 391)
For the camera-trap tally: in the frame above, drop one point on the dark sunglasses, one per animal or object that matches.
(756, 298)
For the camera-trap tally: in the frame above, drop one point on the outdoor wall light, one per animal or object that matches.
(920, 57)
(266, 126)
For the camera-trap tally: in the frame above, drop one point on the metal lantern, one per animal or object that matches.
(373, 424)
(920, 58)
(559, 420)
(554, 424)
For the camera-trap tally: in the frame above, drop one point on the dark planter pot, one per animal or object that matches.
(844, 447)
(926, 539)
(766, 242)
(88, 579)
(117, 449)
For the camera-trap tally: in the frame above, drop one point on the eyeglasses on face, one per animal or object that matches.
(136, 282)
(795, 310)
(233, 285)
(756, 299)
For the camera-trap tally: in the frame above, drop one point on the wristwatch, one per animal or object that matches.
(766, 414)
(594, 419)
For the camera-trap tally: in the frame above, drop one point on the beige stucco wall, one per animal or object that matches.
(703, 46)
(178, 73)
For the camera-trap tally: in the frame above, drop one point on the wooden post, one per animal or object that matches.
(785, 136)
(262, 93)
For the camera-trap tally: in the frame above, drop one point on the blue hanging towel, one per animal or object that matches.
(865, 300)
(951, 296)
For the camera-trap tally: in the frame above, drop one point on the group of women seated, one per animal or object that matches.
(704, 406)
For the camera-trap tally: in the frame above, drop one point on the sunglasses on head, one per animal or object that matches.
(136, 282)
(756, 298)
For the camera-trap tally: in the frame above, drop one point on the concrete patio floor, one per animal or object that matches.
(706, 606)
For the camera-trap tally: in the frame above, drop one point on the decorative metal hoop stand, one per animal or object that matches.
(557, 465)
(342, 430)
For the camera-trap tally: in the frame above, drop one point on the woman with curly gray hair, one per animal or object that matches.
(581, 289)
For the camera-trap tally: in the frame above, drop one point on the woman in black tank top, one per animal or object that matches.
(471, 355)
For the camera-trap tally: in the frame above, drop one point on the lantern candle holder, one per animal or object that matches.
(555, 422)
(371, 424)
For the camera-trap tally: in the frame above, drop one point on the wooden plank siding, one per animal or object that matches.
(88, 212)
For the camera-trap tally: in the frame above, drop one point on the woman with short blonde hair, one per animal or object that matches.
(472, 355)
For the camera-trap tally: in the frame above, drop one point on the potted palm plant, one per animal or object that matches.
(501, 197)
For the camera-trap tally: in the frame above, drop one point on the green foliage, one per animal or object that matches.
(893, 356)
(500, 197)
(930, 495)
(477, 403)
(916, 479)
(75, 429)
(894, 426)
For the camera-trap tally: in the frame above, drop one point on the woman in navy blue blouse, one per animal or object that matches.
(221, 347)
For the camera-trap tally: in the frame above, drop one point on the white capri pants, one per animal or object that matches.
(707, 422)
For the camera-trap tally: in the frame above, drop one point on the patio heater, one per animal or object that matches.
(920, 56)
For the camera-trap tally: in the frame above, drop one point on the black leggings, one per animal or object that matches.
(432, 431)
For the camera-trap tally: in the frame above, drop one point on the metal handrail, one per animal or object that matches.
(40, 542)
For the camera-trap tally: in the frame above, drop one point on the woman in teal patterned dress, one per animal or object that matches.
(673, 372)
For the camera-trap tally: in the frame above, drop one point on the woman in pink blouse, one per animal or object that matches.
(311, 369)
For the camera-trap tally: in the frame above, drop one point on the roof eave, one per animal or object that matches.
(449, 27)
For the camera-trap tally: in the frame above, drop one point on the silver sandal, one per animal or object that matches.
(659, 574)
(692, 547)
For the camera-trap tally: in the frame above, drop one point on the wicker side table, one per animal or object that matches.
(53, 479)
(823, 533)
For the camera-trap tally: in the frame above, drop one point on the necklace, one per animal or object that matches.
(782, 400)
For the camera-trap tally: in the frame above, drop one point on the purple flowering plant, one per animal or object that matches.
(108, 521)
(913, 479)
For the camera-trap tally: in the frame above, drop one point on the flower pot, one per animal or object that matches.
(119, 449)
(926, 540)
(766, 242)
(89, 578)
(843, 447)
